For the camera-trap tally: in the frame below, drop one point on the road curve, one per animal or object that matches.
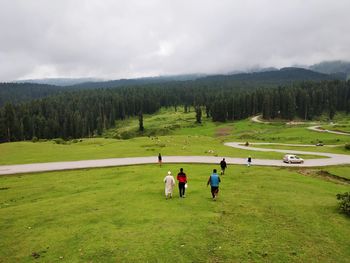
(312, 128)
(318, 129)
(258, 120)
(333, 159)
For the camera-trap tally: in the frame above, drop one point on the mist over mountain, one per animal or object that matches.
(337, 69)
(333, 67)
(274, 77)
(19, 92)
(59, 81)
(137, 81)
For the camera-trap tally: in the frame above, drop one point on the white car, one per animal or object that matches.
(291, 158)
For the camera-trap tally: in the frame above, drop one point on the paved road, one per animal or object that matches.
(312, 128)
(318, 129)
(333, 159)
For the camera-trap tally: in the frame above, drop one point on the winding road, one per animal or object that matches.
(332, 159)
(312, 128)
(319, 129)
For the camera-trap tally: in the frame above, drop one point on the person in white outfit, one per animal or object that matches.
(169, 185)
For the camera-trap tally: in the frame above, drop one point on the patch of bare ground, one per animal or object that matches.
(325, 175)
(300, 123)
(223, 131)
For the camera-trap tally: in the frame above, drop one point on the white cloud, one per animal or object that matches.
(115, 39)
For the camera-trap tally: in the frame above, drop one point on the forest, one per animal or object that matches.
(87, 113)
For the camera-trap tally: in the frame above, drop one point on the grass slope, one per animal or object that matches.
(120, 215)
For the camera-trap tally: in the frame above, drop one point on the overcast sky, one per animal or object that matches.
(133, 38)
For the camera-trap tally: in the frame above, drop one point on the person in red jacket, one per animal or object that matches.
(182, 178)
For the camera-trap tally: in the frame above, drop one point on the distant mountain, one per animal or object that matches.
(59, 81)
(101, 83)
(19, 92)
(337, 67)
(282, 76)
(137, 81)
(25, 90)
(267, 75)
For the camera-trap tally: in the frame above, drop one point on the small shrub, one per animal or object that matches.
(74, 141)
(347, 146)
(59, 141)
(127, 135)
(344, 204)
(35, 139)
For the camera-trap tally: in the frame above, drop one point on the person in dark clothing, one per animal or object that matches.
(182, 178)
(214, 181)
(160, 159)
(249, 161)
(223, 166)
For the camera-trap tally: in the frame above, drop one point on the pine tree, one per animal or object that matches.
(141, 128)
(198, 114)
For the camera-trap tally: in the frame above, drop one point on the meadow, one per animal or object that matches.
(120, 214)
(263, 214)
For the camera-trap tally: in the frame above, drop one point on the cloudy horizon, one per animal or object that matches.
(126, 39)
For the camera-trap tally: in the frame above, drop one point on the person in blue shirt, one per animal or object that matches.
(214, 181)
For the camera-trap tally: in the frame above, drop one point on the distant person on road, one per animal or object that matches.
(182, 178)
(160, 159)
(223, 166)
(249, 161)
(214, 181)
(169, 185)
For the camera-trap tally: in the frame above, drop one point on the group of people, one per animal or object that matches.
(170, 183)
(214, 181)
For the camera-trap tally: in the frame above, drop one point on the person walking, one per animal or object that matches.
(214, 181)
(249, 161)
(223, 166)
(182, 178)
(169, 185)
(160, 159)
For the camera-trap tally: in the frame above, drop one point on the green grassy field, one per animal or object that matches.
(100, 148)
(120, 215)
(184, 137)
(263, 214)
(169, 122)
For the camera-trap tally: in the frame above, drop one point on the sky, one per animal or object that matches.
(114, 39)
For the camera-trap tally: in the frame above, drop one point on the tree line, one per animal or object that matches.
(87, 113)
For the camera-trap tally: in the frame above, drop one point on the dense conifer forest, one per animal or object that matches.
(86, 113)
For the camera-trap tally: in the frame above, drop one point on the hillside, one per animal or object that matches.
(341, 68)
(282, 76)
(19, 92)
